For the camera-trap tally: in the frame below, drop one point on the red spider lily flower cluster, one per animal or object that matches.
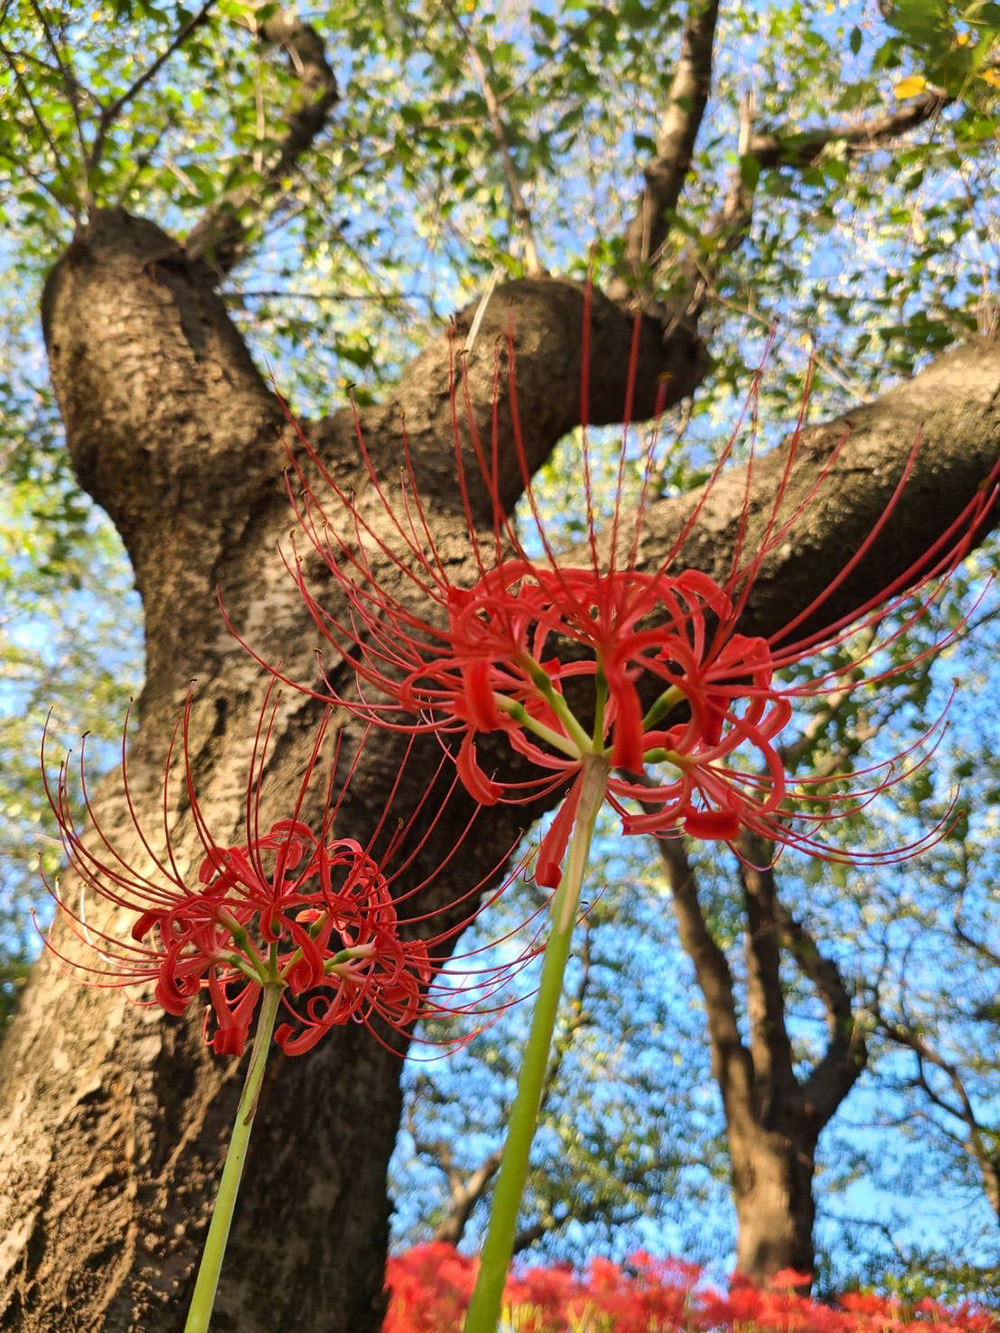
(429, 1288)
(500, 656)
(295, 907)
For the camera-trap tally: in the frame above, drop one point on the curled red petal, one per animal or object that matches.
(476, 783)
(143, 923)
(233, 1018)
(722, 825)
(173, 993)
(628, 741)
(548, 868)
(483, 712)
(704, 587)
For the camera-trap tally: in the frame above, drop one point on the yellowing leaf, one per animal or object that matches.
(912, 86)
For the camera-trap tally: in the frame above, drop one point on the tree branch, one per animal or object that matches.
(466, 1191)
(108, 113)
(979, 947)
(770, 1046)
(828, 710)
(666, 172)
(832, 1078)
(70, 84)
(781, 147)
(732, 1064)
(522, 213)
(222, 231)
(905, 1034)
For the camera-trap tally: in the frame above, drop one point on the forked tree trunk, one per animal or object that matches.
(772, 1176)
(774, 1116)
(113, 1120)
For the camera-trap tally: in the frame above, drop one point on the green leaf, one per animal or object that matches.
(749, 171)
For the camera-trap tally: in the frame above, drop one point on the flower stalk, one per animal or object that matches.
(487, 1298)
(207, 1283)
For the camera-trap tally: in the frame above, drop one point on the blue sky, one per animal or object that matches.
(105, 595)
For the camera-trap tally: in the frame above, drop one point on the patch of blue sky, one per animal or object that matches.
(436, 285)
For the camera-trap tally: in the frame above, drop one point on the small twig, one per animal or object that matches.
(480, 312)
(39, 121)
(521, 211)
(109, 113)
(289, 294)
(678, 432)
(70, 85)
(181, 175)
(667, 170)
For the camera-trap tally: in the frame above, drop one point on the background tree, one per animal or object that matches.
(931, 993)
(616, 1141)
(371, 180)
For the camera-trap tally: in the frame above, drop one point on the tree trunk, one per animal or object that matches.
(114, 1119)
(774, 1117)
(989, 1169)
(772, 1175)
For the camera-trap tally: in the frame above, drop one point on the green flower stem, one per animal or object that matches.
(242, 940)
(555, 701)
(600, 702)
(218, 1232)
(660, 756)
(523, 718)
(487, 1298)
(670, 698)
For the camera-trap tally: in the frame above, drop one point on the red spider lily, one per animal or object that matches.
(429, 1287)
(296, 907)
(499, 655)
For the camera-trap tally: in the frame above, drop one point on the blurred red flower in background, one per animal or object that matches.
(429, 1287)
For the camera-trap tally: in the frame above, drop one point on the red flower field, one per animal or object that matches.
(430, 1286)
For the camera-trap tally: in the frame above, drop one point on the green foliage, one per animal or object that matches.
(630, 1127)
(953, 42)
(401, 208)
(66, 648)
(394, 218)
(70, 641)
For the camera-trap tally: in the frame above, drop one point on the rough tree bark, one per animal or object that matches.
(113, 1119)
